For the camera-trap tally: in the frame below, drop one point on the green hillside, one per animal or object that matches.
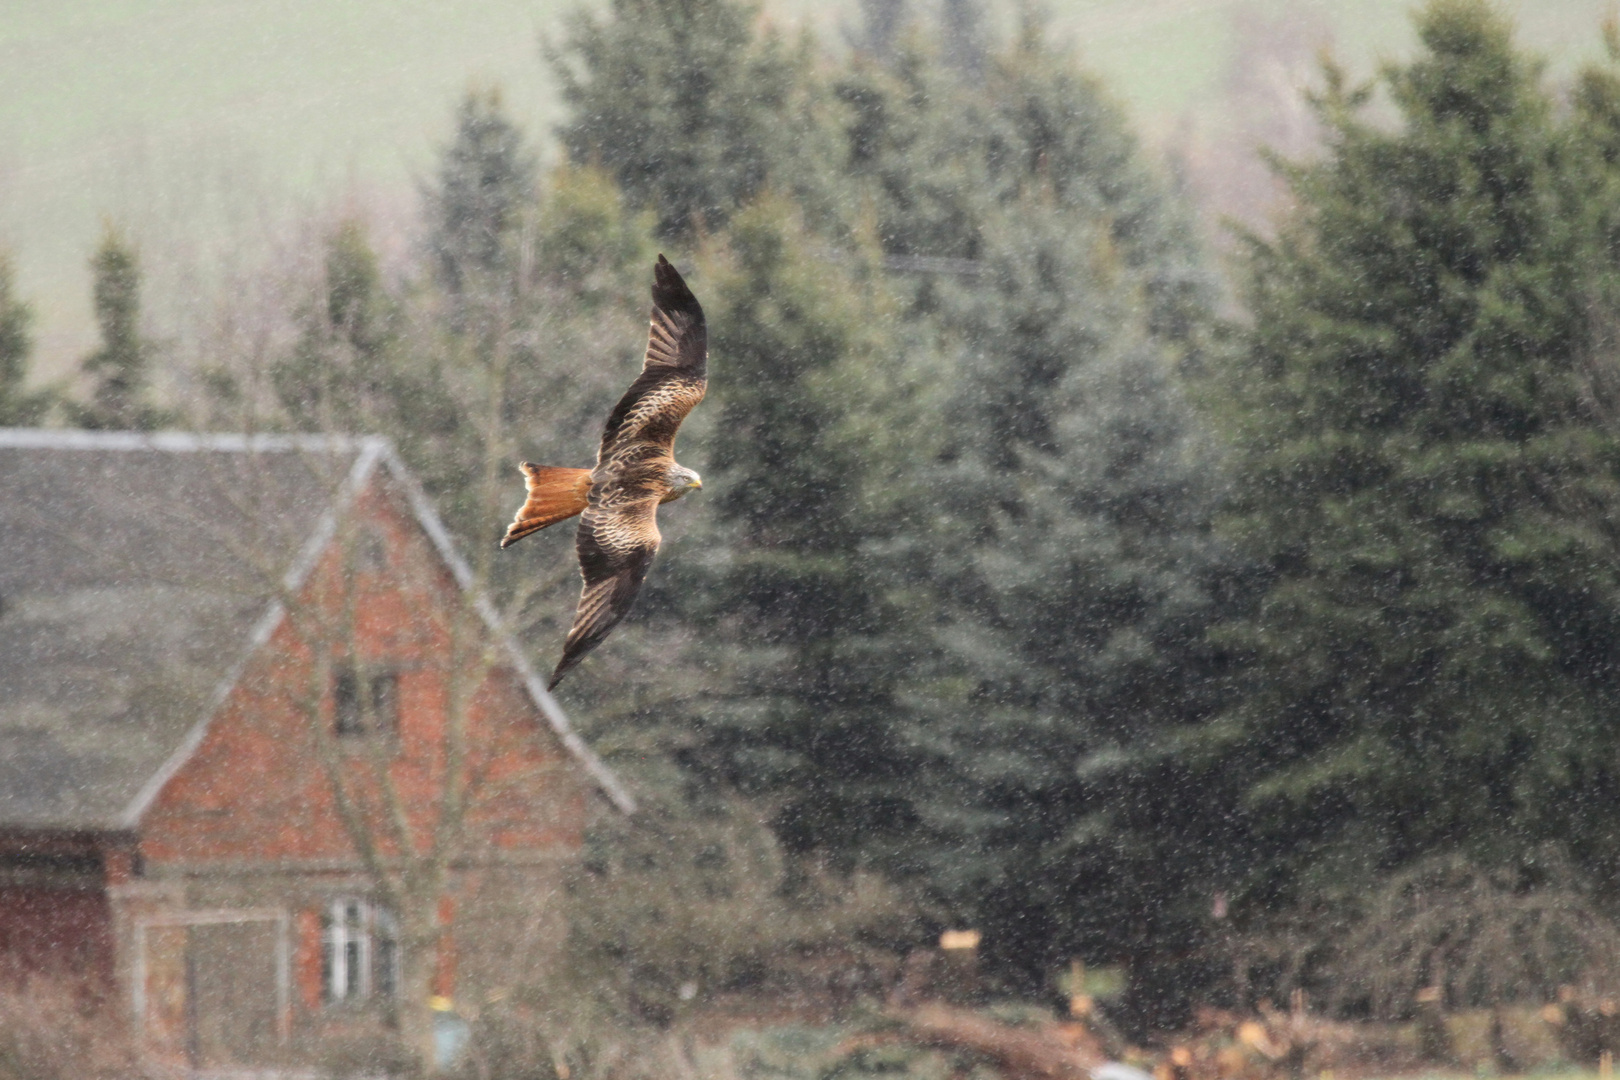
(203, 124)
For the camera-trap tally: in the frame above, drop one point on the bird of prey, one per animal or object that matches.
(635, 471)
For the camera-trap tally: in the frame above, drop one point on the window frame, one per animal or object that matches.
(380, 704)
(359, 952)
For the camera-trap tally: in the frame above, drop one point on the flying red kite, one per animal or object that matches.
(635, 471)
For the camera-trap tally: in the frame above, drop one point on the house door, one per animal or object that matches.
(212, 987)
(231, 999)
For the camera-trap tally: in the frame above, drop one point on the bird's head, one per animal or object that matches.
(682, 480)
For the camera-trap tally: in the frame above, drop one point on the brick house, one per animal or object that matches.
(171, 717)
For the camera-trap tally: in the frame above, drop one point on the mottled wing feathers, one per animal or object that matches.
(616, 545)
(673, 375)
(555, 495)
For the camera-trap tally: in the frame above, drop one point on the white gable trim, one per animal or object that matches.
(372, 451)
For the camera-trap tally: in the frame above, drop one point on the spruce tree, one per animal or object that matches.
(962, 33)
(341, 375)
(521, 357)
(692, 110)
(485, 185)
(1074, 573)
(120, 395)
(474, 320)
(941, 562)
(19, 407)
(799, 703)
(881, 25)
(937, 156)
(1057, 561)
(1423, 476)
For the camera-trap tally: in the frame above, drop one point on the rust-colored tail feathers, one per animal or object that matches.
(554, 495)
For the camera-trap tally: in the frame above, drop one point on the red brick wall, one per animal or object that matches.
(255, 789)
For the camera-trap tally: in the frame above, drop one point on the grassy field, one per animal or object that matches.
(202, 125)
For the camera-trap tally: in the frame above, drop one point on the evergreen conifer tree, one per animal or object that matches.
(120, 396)
(799, 701)
(937, 156)
(485, 186)
(962, 33)
(1057, 556)
(475, 327)
(342, 374)
(881, 25)
(1424, 478)
(521, 358)
(891, 604)
(19, 407)
(1075, 574)
(692, 110)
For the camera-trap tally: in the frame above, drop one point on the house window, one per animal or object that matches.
(359, 951)
(349, 707)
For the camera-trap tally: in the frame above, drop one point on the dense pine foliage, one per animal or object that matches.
(120, 371)
(689, 106)
(19, 404)
(1087, 663)
(1425, 470)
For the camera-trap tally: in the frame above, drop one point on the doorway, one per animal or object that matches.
(211, 987)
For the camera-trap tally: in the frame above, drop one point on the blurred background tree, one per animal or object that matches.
(692, 107)
(1427, 480)
(19, 405)
(484, 190)
(121, 395)
(341, 374)
(1047, 287)
(777, 571)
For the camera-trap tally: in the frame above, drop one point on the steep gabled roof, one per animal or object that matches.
(125, 620)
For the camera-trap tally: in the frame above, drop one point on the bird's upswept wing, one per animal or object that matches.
(673, 376)
(618, 532)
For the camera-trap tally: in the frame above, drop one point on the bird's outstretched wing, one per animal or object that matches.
(673, 376)
(616, 545)
(618, 532)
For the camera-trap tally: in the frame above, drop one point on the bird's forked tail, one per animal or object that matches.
(555, 495)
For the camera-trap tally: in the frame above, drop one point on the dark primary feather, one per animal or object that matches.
(673, 375)
(618, 532)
